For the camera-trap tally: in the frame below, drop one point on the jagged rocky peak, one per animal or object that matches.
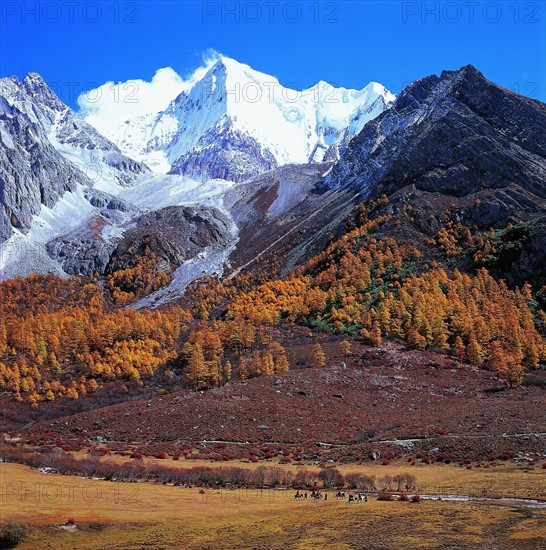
(49, 156)
(74, 138)
(32, 172)
(455, 134)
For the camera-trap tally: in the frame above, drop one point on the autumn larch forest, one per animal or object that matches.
(68, 338)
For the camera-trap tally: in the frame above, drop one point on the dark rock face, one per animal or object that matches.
(87, 249)
(103, 200)
(175, 234)
(225, 153)
(455, 134)
(83, 251)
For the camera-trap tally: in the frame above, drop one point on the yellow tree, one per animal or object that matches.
(474, 351)
(375, 335)
(227, 370)
(242, 368)
(459, 348)
(345, 348)
(416, 340)
(278, 353)
(196, 368)
(497, 359)
(319, 357)
(515, 373)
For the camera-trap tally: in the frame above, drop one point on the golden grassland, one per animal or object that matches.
(138, 515)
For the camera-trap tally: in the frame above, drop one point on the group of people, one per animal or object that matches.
(353, 497)
(315, 495)
(340, 495)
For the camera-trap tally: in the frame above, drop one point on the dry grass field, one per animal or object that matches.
(144, 515)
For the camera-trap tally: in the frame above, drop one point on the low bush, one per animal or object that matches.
(13, 533)
(416, 498)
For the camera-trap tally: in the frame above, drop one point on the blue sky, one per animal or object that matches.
(81, 45)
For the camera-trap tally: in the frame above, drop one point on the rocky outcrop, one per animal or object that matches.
(174, 234)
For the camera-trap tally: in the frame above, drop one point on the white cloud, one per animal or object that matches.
(117, 102)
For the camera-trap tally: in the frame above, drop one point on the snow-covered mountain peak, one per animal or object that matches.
(235, 123)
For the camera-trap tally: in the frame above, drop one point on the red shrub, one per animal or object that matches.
(403, 497)
(70, 521)
(384, 496)
(506, 456)
(416, 498)
(101, 451)
(385, 462)
(162, 455)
